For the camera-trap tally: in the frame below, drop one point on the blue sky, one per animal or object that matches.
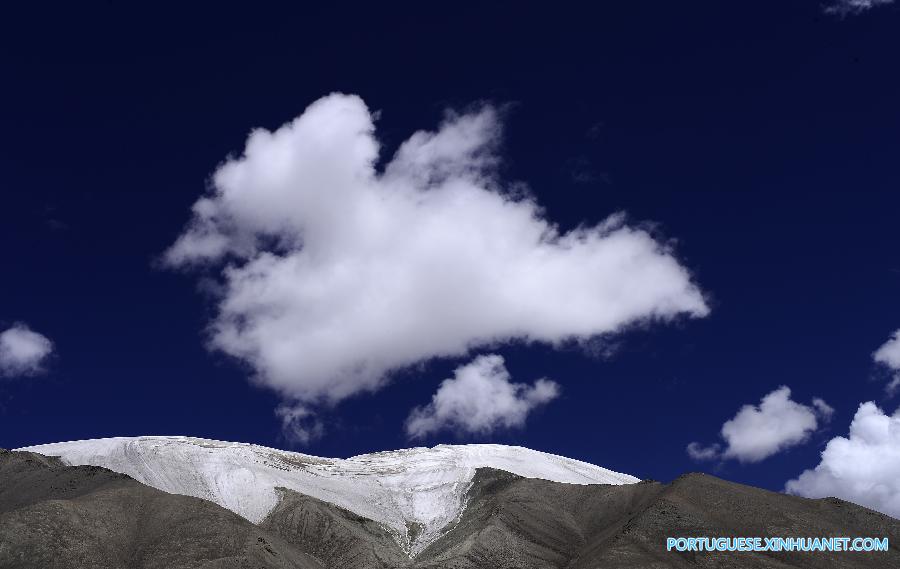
(756, 144)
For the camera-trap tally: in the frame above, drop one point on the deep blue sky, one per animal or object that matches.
(761, 136)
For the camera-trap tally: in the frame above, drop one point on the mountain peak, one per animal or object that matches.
(423, 488)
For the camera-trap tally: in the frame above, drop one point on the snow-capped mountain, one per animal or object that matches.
(414, 492)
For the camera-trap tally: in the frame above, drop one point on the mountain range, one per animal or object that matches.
(175, 502)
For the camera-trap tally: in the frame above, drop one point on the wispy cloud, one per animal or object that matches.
(846, 7)
(299, 425)
(699, 452)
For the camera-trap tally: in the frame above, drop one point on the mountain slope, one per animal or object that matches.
(79, 517)
(337, 537)
(517, 523)
(57, 516)
(414, 493)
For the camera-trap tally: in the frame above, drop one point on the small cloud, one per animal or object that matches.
(478, 400)
(863, 467)
(700, 453)
(299, 425)
(23, 352)
(824, 409)
(757, 432)
(847, 7)
(888, 355)
(889, 352)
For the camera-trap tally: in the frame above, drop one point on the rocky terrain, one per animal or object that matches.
(56, 515)
(73, 517)
(413, 493)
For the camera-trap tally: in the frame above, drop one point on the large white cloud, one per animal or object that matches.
(863, 467)
(480, 399)
(889, 356)
(758, 431)
(845, 7)
(337, 272)
(22, 351)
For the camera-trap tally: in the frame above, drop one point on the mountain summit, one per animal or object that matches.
(184, 503)
(415, 493)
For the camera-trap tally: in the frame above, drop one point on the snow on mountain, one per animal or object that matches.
(413, 489)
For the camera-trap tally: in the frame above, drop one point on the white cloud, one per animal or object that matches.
(298, 424)
(863, 468)
(824, 410)
(889, 356)
(889, 353)
(23, 352)
(480, 399)
(757, 432)
(697, 451)
(336, 274)
(844, 7)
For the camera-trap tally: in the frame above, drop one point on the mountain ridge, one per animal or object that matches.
(413, 492)
(79, 517)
